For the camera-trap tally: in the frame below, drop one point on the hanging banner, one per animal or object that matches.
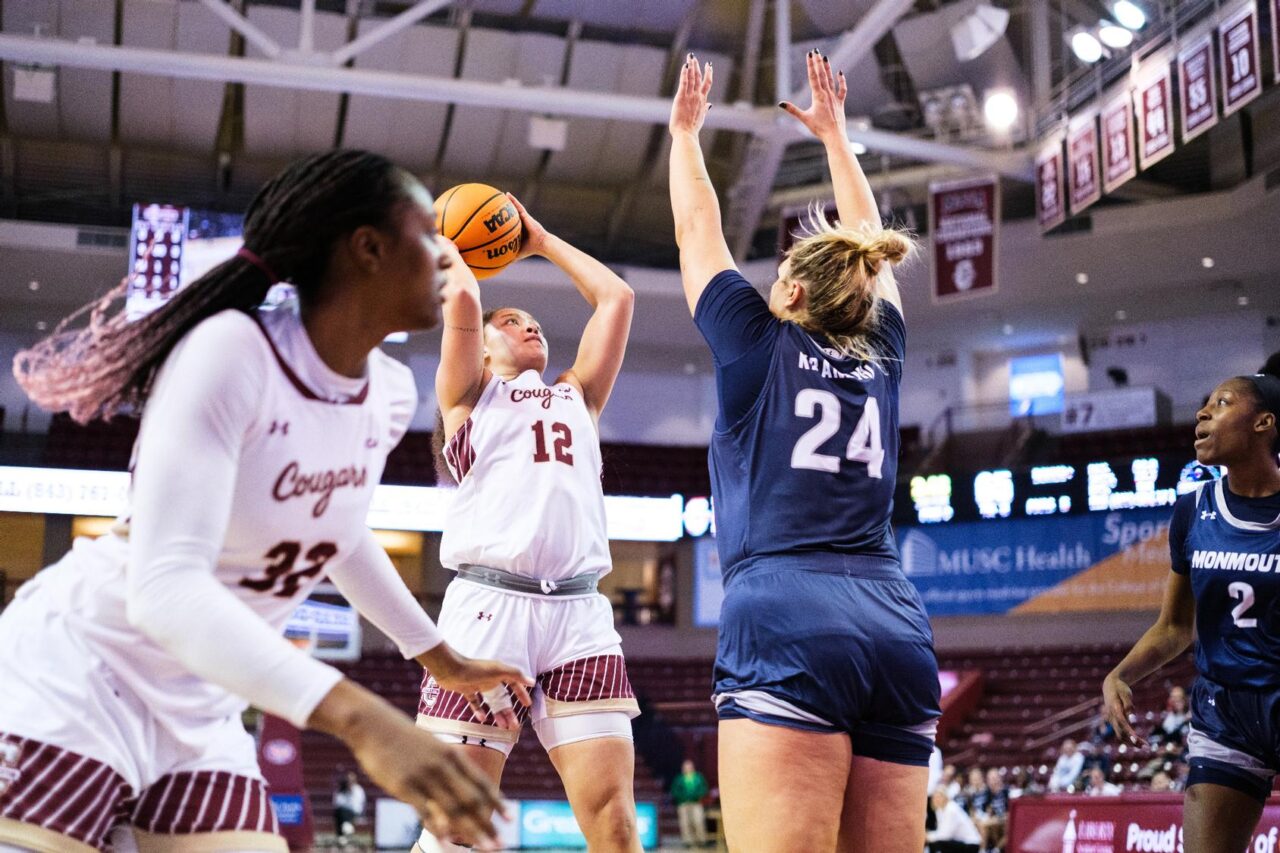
(964, 218)
(1118, 161)
(1198, 89)
(1239, 55)
(1051, 205)
(1083, 168)
(1153, 99)
(1275, 39)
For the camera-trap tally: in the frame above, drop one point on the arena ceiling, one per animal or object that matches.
(198, 101)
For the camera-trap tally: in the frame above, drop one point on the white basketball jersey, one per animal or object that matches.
(307, 468)
(529, 498)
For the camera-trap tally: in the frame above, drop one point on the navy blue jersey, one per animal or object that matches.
(805, 451)
(1231, 547)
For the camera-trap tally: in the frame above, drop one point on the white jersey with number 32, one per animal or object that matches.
(529, 498)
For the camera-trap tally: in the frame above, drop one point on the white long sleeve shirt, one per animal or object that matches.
(955, 825)
(252, 479)
(1066, 770)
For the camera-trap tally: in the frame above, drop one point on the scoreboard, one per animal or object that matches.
(1104, 485)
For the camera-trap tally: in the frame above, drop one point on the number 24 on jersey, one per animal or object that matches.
(864, 445)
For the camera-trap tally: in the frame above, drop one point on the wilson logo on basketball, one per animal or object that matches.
(293, 483)
(502, 217)
(506, 248)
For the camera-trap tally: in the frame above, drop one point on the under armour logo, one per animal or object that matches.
(484, 616)
(281, 427)
(1206, 514)
(1212, 702)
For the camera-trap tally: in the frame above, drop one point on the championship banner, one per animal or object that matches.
(1129, 822)
(1118, 161)
(1083, 166)
(1051, 203)
(1153, 100)
(964, 220)
(1238, 51)
(1198, 88)
(1102, 561)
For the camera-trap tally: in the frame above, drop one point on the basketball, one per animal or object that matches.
(484, 225)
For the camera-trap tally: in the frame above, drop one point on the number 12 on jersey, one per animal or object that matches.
(864, 445)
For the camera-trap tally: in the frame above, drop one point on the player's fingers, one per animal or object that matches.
(811, 68)
(706, 81)
(506, 719)
(478, 709)
(521, 692)
(519, 207)
(842, 87)
(789, 107)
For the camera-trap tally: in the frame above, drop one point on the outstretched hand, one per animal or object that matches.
(1117, 701)
(690, 106)
(825, 116)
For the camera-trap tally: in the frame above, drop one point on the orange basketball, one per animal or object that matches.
(483, 223)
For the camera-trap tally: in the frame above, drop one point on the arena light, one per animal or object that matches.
(1129, 14)
(63, 491)
(1115, 36)
(1086, 47)
(1000, 109)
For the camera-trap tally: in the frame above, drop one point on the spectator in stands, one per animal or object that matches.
(1161, 782)
(950, 780)
(1022, 782)
(956, 832)
(1175, 720)
(688, 791)
(991, 809)
(1102, 731)
(1098, 786)
(348, 807)
(974, 787)
(1067, 769)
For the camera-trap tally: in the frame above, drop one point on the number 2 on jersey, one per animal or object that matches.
(561, 445)
(1244, 592)
(864, 445)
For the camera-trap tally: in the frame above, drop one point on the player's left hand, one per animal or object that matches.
(825, 116)
(689, 107)
(533, 236)
(1117, 701)
(471, 677)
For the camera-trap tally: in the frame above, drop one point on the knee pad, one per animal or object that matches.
(558, 731)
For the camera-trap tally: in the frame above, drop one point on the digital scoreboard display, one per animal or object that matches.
(1103, 486)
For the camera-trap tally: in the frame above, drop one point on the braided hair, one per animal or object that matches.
(108, 364)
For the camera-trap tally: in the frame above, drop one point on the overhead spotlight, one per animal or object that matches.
(1086, 47)
(1114, 36)
(1129, 14)
(978, 31)
(1000, 109)
(858, 148)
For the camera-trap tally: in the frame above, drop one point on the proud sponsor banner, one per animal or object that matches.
(1118, 161)
(1096, 562)
(1238, 51)
(964, 221)
(1198, 87)
(1153, 99)
(1131, 823)
(1051, 203)
(1083, 166)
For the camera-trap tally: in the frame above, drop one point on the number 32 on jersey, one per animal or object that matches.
(864, 445)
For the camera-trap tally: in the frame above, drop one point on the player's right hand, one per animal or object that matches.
(409, 763)
(689, 107)
(1117, 700)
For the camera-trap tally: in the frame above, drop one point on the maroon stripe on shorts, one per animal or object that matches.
(588, 680)
(205, 801)
(58, 790)
(441, 704)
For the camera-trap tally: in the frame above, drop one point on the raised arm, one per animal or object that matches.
(825, 119)
(703, 251)
(461, 375)
(604, 340)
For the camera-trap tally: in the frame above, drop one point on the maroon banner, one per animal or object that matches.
(964, 221)
(280, 759)
(1051, 205)
(1198, 89)
(1118, 161)
(1130, 822)
(1153, 99)
(1239, 54)
(1083, 168)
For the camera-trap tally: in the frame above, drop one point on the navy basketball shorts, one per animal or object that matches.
(1235, 737)
(830, 643)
